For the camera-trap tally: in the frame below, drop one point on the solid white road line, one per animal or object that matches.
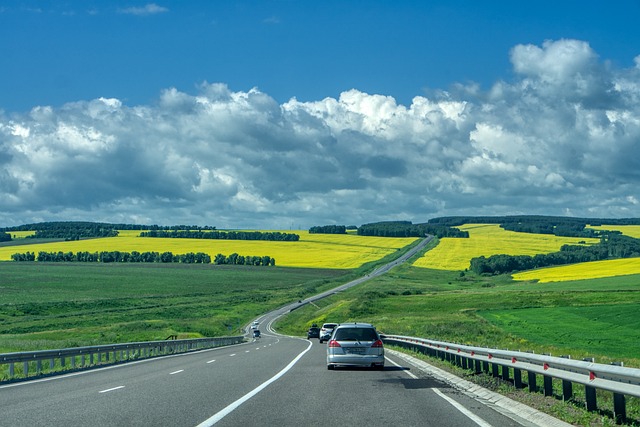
(473, 417)
(111, 389)
(230, 408)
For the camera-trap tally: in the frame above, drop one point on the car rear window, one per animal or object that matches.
(355, 334)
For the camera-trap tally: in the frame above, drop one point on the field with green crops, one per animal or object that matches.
(51, 305)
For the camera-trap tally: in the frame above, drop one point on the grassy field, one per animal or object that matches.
(47, 306)
(493, 312)
(490, 239)
(345, 251)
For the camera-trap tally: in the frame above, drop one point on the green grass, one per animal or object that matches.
(44, 306)
(558, 318)
(601, 329)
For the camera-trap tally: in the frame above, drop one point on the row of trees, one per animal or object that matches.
(5, 237)
(539, 224)
(223, 235)
(53, 225)
(235, 259)
(408, 229)
(328, 229)
(146, 257)
(610, 247)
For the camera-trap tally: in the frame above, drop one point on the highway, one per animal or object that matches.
(273, 380)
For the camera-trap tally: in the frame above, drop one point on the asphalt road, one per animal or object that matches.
(274, 380)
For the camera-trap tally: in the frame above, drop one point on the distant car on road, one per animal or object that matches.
(313, 332)
(325, 331)
(256, 333)
(355, 344)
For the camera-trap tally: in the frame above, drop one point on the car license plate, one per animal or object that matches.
(354, 350)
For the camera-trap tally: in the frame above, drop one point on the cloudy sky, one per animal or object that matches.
(289, 114)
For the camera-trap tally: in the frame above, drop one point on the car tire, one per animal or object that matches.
(320, 341)
(330, 367)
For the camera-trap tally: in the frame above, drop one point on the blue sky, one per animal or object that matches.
(294, 113)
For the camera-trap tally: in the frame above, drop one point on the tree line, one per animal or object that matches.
(143, 257)
(408, 229)
(328, 229)
(610, 247)
(223, 235)
(540, 224)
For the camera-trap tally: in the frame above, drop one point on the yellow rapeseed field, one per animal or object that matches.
(490, 239)
(582, 271)
(627, 230)
(312, 250)
(589, 270)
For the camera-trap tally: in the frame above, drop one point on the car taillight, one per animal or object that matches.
(378, 343)
(334, 343)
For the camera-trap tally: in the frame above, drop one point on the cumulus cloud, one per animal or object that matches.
(562, 137)
(147, 9)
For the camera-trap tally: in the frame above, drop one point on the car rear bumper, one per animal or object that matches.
(355, 360)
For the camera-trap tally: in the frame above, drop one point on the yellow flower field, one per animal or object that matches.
(312, 250)
(582, 271)
(489, 239)
(589, 270)
(627, 230)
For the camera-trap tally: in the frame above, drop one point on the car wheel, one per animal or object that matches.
(320, 341)
(330, 367)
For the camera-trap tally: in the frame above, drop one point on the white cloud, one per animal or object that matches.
(148, 9)
(562, 137)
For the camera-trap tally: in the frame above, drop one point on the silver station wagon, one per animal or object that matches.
(355, 344)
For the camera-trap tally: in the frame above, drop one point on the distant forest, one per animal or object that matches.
(328, 229)
(224, 235)
(408, 229)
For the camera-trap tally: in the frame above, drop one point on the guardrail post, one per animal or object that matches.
(531, 379)
(517, 378)
(590, 398)
(505, 372)
(485, 366)
(38, 366)
(26, 369)
(11, 370)
(567, 386)
(495, 369)
(478, 366)
(619, 408)
(548, 385)
(619, 403)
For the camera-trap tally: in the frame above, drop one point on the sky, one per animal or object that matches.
(289, 114)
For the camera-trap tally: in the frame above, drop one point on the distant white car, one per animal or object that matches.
(255, 324)
(326, 331)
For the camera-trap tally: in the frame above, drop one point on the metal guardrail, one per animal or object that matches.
(22, 365)
(619, 380)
